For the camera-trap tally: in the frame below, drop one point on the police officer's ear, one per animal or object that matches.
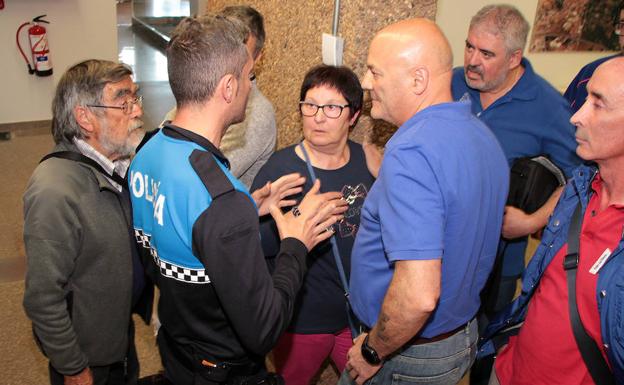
(228, 88)
(85, 119)
(420, 79)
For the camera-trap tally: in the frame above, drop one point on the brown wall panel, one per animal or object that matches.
(293, 45)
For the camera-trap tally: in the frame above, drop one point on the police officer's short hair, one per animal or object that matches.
(201, 51)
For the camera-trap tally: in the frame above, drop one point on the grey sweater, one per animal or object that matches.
(79, 265)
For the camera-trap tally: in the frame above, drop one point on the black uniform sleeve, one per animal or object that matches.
(225, 237)
(226, 240)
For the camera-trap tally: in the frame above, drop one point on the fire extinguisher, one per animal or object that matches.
(42, 66)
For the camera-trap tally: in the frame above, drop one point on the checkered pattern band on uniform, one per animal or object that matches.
(168, 269)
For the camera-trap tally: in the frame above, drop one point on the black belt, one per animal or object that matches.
(439, 337)
(217, 370)
(417, 340)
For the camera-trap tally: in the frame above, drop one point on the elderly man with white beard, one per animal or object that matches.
(84, 276)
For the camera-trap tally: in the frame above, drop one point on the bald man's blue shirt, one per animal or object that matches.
(440, 195)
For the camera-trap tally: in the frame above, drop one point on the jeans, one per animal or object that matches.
(437, 363)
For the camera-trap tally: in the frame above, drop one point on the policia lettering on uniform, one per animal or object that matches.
(220, 310)
(145, 187)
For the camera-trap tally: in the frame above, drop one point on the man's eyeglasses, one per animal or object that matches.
(332, 111)
(126, 107)
(618, 27)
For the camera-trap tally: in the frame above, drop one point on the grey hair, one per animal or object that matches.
(80, 85)
(201, 51)
(504, 20)
(252, 19)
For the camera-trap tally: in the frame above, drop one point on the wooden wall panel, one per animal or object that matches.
(293, 45)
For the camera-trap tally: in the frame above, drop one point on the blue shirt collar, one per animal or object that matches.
(524, 89)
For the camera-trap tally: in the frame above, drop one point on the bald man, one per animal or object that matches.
(429, 226)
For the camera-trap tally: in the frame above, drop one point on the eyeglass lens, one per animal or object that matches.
(332, 111)
(129, 104)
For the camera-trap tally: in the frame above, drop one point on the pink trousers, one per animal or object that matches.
(299, 356)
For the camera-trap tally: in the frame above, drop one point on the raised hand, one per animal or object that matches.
(277, 192)
(315, 214)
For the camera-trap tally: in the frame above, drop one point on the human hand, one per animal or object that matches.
(275, 193)
(373, 155)
(359, 369)
(316, 213)
(517, 223)
(83, 378)
(313, 197)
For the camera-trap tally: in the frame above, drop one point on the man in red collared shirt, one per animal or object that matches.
(545, 351)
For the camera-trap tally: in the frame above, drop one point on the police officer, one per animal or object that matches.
(220, 310)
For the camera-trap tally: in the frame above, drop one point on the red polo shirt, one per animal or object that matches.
(545, 351)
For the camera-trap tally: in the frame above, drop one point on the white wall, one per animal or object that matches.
(79, 29)
(84, 29)
(559, 69)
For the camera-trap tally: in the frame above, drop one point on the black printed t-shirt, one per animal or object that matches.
(320, 306)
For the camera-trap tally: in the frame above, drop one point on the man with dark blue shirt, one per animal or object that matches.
(527, 115)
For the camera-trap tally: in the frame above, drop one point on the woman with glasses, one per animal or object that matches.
(330, 104)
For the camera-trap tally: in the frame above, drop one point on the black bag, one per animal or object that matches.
(532, 182)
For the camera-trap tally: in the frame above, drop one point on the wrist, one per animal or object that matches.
(369, 353)
(82, 377)
(76, 373)
(537, 221)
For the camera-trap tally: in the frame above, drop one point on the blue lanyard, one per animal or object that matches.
(332, 240)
